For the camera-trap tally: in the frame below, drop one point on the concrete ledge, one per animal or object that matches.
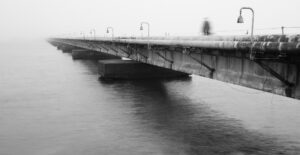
(128, 69)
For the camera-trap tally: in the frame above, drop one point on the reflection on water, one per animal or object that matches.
(50, 104)
(188, 129)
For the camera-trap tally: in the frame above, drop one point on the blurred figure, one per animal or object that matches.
(206, 27)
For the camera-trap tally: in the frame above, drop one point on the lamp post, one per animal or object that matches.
(112, 31)
(141, 27)
(93, 31)
(241, 20)
(83, 35)
(282, 30)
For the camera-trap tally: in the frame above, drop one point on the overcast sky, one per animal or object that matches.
(43, 18)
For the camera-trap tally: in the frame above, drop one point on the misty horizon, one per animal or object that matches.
(44, 18)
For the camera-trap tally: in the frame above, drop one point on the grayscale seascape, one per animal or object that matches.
(52, 104)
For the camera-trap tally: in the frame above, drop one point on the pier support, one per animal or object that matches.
(66, 48)
(129, 69)
(91, 55)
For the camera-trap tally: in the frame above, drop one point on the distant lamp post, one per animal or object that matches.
(141, 27)
(241, 20)
(282, 30)
(93, 32)
(112, 31)
(83, 35)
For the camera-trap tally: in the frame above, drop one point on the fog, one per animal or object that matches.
(29, 19)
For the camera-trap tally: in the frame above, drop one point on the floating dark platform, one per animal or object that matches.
(129, 69)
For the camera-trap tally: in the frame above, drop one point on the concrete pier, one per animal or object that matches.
(129, 69)
(272, 65)
(65, 48)
(90, 55)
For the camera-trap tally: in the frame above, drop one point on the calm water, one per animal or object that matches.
(52, 105)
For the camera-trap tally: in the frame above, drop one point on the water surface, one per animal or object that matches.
(52, 105)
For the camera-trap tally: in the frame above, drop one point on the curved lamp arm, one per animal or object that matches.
(240, 20)
(141, 27)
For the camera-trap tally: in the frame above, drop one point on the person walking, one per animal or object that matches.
(206, 27)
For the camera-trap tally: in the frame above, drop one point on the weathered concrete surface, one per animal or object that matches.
(91, 55)
(275, 67)
(128, 69)
(266, 43)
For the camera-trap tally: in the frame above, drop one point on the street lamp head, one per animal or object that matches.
(240, 19)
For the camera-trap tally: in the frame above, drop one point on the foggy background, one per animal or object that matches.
(33, 19)
(51, 104)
